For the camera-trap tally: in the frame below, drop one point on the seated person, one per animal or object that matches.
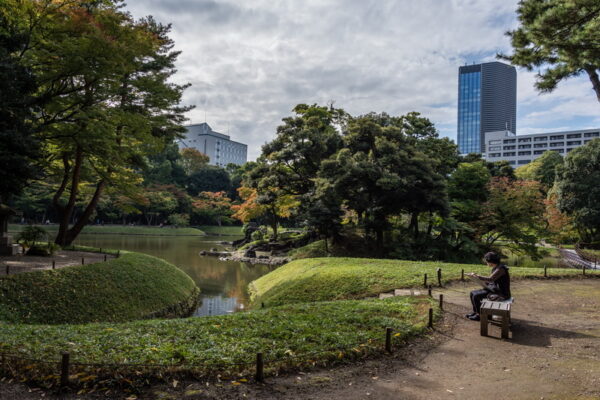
(497, 285)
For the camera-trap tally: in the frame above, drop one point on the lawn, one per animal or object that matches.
(221, 230)
(130, 287)
(333, 278)
(123, 230)
(296, 335)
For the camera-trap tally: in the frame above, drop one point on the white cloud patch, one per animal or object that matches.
(251, 62)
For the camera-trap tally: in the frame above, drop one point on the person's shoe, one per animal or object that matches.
(474, 317)
(469, 315)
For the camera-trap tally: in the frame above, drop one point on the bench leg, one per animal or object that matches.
(505, 319)
(484, 323)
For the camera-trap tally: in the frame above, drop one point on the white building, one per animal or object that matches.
(522, 149)
(219, 148)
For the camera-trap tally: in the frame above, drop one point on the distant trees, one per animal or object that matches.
(561, 38)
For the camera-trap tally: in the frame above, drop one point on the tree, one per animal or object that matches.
(158, 204)
(513, 212)
(578, 191)
(542, 169)
(208, 179)
(193, 160)
(164, 168)
(467, 190)
(212, 207)
(19, 150)
(105, 97)
(562, 37)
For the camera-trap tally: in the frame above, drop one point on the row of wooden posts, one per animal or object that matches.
(54, 261)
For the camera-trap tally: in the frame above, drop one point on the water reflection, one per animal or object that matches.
(223, 283)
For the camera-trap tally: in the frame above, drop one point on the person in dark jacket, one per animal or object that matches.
(497, 285)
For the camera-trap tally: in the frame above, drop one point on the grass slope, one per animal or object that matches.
(339, 329)
(323, 279)
(222, 230)
(123, 230)
(130, 287)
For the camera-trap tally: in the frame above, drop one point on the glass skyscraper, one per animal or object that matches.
(487, 102)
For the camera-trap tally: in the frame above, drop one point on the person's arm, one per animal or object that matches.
(498, 273)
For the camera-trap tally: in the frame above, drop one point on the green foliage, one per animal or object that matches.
(208, 179)
(558, 38)
(578, 190)
(324, 279)
(542, 169)
(43, 249)
(329, 331)
(130, 287)
(128, 230)
(179, 220)
(31, 234)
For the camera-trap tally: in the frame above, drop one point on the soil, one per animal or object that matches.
(553, 353)
(21, 263)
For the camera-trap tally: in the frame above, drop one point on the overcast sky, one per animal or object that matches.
(251, 61)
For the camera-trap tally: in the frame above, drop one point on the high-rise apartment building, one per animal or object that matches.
(487, 102)
(219, 148)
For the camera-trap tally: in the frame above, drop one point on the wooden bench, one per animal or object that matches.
(489, 309)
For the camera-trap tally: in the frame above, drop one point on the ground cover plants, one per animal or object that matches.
(292, 335)
(124, 230)
(130, 287)
(333, 278)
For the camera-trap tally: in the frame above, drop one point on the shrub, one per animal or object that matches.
(179, 219)
(30, 235)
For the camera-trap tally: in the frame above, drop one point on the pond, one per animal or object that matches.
(223, 284)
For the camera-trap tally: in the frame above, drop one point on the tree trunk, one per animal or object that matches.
(66, 212)
(414, 224)
(87, 213)
(591, 71)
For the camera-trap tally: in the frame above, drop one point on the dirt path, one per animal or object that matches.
(62, 258)
(553, 353)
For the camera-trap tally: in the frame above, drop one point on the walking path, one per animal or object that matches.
(571, 257)
(20, 263)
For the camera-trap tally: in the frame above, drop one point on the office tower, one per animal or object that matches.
(219, 148)
(487, 102)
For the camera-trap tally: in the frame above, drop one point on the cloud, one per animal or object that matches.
(251, 62)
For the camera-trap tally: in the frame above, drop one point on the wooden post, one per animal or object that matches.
(583, 270)
(429, 291)
(260, 377)
(7, 269)
(262, 305)
(64, 370)
(441, 301)
(545, 271)
(100, 249)
(105, 257)
(388, 340)
(53, 264)
(439, 276)
(425, 280)
(430, 324)
(118, 253)
(82, 261)
(462, 274)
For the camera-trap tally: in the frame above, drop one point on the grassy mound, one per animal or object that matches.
(130, 287)
(323, 279)
(289, 334)
(123, 230)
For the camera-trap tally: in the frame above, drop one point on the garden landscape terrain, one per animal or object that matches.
(335, 265)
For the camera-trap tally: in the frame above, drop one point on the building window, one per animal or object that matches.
(573, 135)
(557, 144)
(537, 152)
(524, 146)
(509, 154)
(495, 141)
(523, 162)
(558, 150)
(557, 137)
(540, 138)
(512, 162)
(494, 155)
(510, 147)
(574, 143)
(540, 145)
(510, 140)
(525, 153)
(495, 148)
(591, 134)
(525, 140)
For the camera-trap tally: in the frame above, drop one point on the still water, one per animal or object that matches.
(223, 284)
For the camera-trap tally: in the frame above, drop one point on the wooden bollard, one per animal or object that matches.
(82, 261)
(441, 301)
(53, 264)
(425, 280)
(462, 274)
(105, 257)
(388, 340)
(7, 269)
(260, 376)
(118, 253)
(583, 270)
(64, 370)
(545, 271)
(100, 249)
(439, 277)
(429, 291)
(430, 324)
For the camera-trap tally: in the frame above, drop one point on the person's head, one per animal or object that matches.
(491, 259)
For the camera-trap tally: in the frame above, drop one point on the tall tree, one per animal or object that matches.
(106, 97)
(193, 160)
(560, 38)
(542, 169)
(578, 191)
